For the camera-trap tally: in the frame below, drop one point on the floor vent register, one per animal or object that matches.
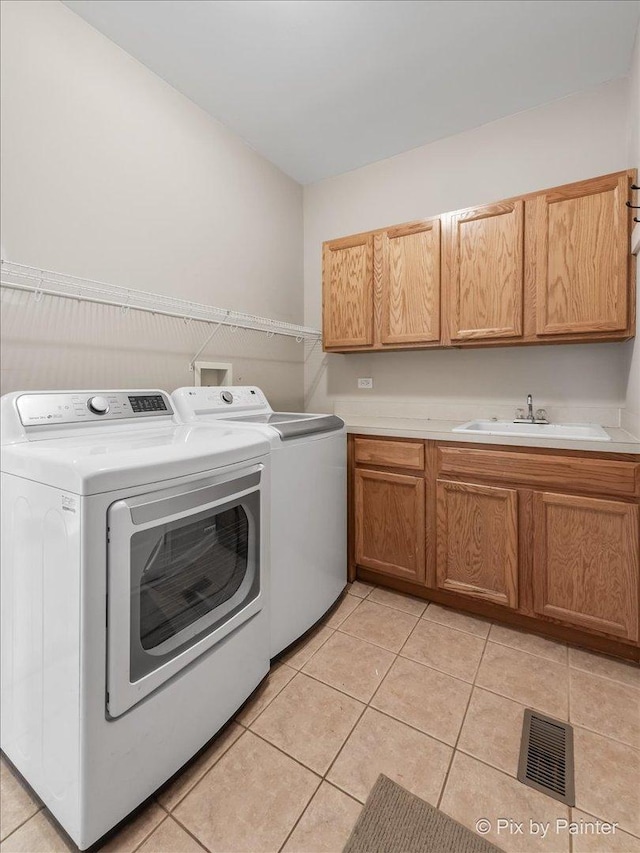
(546, 757)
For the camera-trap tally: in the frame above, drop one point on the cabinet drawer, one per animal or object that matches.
(393, 454)
(598, 476)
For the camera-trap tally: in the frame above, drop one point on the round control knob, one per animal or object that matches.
(98, 405)
(227, 397)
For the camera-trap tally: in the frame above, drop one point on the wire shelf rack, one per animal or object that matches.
(46, 282)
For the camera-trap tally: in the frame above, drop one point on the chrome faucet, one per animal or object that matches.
(530, 407)
(540, 416)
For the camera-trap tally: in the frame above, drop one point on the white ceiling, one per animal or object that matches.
(320, 87)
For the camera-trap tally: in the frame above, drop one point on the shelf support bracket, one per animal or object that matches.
(210, 337)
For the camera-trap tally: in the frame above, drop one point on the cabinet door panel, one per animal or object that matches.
(586, 562)
(390, 523)
(477, 541)
(348, 292)
(581, 256)
(410, 285)
(486, 270)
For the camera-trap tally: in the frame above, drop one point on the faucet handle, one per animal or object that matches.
(541, 415)
(519, 414)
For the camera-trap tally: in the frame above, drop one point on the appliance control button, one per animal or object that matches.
(227, 396)
(98, 405)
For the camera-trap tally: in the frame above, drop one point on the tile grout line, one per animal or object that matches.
(200, 778)
(605, 678)
(345, 597)
(453, 747)
(377, 645)
(246, 725)
(26, 820)
(323, 778)
(571, 845)
(306, 808)
(362, 597)
(471, 684)
(368, 703)
(283, 660)
(453, 628)
(435, 668)
(286, 754)
(342, 791)
(596, 817)
(300, 816)
(466, 711)
(189, 832)
(634, 749)
(365, 706)
(346, 793)
(264, 740)
(150, 833)
(344, 692)
(487, 640)
(567, 646)
(525, 652)
(397, 609)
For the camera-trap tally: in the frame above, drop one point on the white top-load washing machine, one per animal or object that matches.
(134, 589)
(308, 500)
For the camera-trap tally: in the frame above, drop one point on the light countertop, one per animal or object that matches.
(441, 430)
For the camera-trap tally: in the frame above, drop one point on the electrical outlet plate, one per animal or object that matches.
(365, 383)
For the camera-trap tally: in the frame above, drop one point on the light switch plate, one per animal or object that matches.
(365, 383)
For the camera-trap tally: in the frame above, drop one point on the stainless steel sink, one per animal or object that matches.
(580, 432)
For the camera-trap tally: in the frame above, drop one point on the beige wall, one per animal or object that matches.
(631, 417)
(571, 139)
(109, 173)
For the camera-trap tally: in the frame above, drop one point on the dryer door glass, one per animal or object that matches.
(187, 577)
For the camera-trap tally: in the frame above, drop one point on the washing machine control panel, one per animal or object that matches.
(85, 406)
(224, 400)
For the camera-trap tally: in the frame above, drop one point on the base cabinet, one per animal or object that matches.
(586, 562)
(552, 544)
(477, 541)
(390, 523)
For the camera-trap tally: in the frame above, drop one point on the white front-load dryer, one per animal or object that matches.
(134, 589)
(308, 500)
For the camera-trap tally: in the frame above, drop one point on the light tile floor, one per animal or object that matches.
(432, 697)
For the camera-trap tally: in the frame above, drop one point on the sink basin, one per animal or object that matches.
(581, 432)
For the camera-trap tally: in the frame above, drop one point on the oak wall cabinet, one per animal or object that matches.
(579, 251)
(545, 539)
(348, 292)
(485, 254)
(549, 267)
(409, 289)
